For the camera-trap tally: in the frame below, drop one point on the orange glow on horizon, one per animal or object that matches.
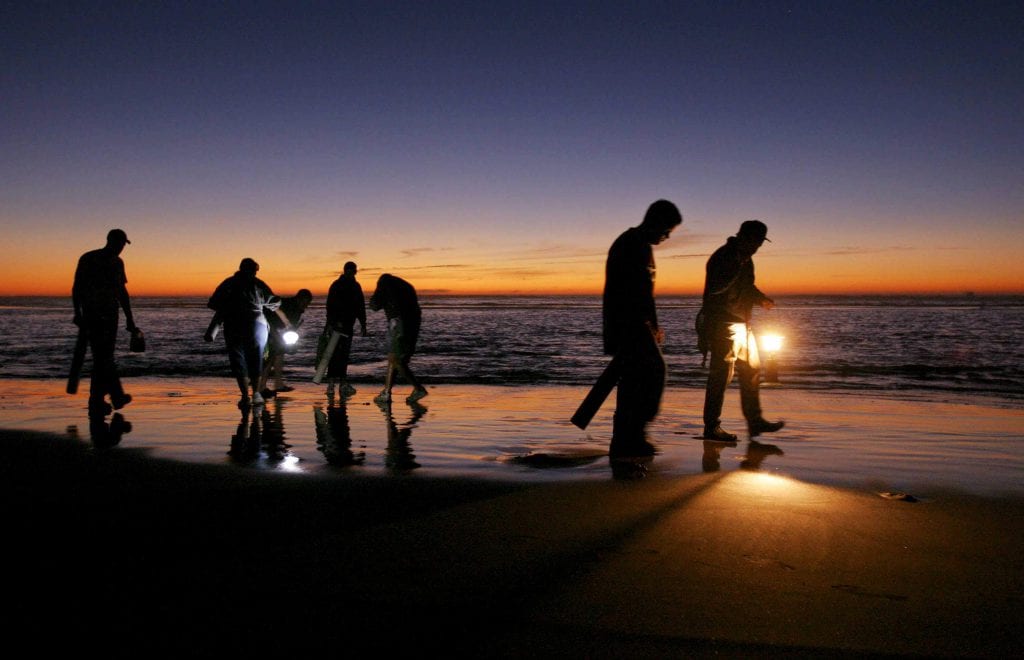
(163, 268)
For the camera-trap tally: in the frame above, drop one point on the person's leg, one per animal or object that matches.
(403, 368)
(750, 400)
(394, 351)
(638, 395)
(653, 384)
(102, 338)
(339, 364)
(235, 343)
(389, 380)
(409, 335)
(750, 385)
(720, 371)
(255, 345)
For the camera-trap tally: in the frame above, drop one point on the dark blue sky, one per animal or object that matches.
(851, 127)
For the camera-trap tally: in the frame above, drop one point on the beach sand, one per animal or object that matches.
(134, 549)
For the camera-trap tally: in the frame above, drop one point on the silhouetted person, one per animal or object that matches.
(100, 288)
(723, 327)
(345, 306)
(239, 303)
(631, 331)
(293, 308)
(398, 300)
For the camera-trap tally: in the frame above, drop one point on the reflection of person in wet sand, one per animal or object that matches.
(631, 331)
(398, 300)
(711, 461)
(723, 329)
(756, 453)
(334, 437)
(105, 435)
(399, 456)
(245, 443)
(273, 439)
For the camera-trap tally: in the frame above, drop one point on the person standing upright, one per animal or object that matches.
(631, 331)
(724, 329)
(99, 289)
(345, 305)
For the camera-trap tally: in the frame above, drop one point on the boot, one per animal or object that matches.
(761, 425)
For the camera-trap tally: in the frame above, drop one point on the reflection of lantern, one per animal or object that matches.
(771, 344)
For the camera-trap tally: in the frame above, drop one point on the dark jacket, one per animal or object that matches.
(242, 298)
(628, 309)
(99, 287)
(729, 290)
(345, 304)
(397, 298)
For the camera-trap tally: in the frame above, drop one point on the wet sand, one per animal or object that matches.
(121, 549)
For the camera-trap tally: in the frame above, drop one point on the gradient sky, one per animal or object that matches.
(501, 147)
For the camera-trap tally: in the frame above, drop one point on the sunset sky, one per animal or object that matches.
(501, 147)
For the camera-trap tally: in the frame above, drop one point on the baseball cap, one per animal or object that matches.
(117, 235)
(754, 228)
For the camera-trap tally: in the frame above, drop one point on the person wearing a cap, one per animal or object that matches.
(239, 302)
(630, 329)
(729, 298)
(99, 290)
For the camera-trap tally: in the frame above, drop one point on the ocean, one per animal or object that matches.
(938, 345)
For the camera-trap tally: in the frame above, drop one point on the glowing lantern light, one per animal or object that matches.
(290, 337)
(771, 344)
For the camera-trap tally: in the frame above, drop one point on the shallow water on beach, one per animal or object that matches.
(903, 444)
(962, 344)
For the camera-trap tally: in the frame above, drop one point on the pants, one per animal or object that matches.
(641, 384)
(723, 363)
(245, 340)
(337, 368)
(102, 340)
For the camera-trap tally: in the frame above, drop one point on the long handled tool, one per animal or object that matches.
(327, 345)
(598, 393)
(77, 359)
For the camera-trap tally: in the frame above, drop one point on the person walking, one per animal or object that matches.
(631, 331)
(723, 328)
(99, 290)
